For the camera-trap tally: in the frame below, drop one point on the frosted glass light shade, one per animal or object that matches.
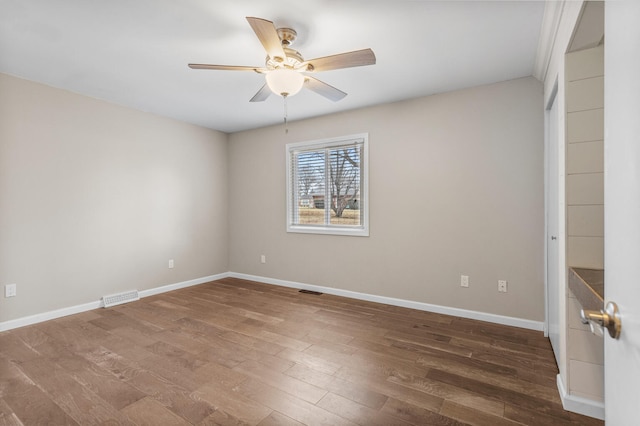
(284, 81)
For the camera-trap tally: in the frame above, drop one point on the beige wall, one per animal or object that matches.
(456, 187)
(95, 198)
(584, 71)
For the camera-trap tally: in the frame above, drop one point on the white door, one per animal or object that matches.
(553, 289)
(622, 208)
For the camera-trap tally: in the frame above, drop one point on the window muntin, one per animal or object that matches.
(327, 189)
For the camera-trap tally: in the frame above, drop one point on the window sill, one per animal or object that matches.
(334, 230)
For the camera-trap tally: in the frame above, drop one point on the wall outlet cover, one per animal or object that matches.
(464, 280)
(10, 290)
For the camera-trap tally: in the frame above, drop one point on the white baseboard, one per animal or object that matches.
(63, 312)
(183, 284)
(578, 404)
(46, 316)
(482, 316)
(464, 313)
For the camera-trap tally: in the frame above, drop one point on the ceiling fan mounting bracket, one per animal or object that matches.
(287, 36)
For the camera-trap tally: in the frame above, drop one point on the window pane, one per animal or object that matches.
(310, 166)
(344, 183)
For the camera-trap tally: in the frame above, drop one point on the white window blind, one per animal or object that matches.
(327, 190)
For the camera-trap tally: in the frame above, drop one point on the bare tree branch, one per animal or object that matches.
(344, 173)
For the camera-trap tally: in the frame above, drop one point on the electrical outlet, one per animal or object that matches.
(263, 258)
(171, 264)
(502, 286)
(10, 290)
(464, 280)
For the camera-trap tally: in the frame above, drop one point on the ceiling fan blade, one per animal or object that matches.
(262, 94)
(323, 89)
(356, 58)
(268, 36)
(225, 67)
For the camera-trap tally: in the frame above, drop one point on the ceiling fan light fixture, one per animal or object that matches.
(284, 81)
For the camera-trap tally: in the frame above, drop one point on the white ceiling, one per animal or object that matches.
(135, 52)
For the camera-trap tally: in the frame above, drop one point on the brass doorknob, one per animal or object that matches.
(608, 318)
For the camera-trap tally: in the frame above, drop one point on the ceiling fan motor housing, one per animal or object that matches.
(293, 60)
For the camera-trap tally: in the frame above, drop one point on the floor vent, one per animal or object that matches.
(120, 298)
(315, 293)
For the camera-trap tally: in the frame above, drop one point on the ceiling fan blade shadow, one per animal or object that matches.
(262, 94)
(226, 67)
(356, 58)
(323, 89)
(268, 36)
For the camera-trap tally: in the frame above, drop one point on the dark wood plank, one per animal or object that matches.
(359, 393)
(447, 392)
(417, 415)
(148, 411)
(77, 401)
(234, 402)
(358, 413)
(383, 385)
(287, 404)
(300, 389)
(470, 416)
(519, 398)
(278, 419)
(23, 401)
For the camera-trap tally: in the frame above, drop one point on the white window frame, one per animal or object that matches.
(361, 230)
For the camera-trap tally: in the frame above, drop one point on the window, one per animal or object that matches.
(327, 186)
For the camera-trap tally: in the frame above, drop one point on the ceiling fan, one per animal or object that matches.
(286, 70)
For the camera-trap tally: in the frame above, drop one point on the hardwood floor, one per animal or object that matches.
(236, 352)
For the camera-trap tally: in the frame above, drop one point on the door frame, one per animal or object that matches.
(553, 98)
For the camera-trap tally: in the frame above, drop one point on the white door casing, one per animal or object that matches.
(553, 288)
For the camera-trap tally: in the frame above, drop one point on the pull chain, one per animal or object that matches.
(286, 128)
